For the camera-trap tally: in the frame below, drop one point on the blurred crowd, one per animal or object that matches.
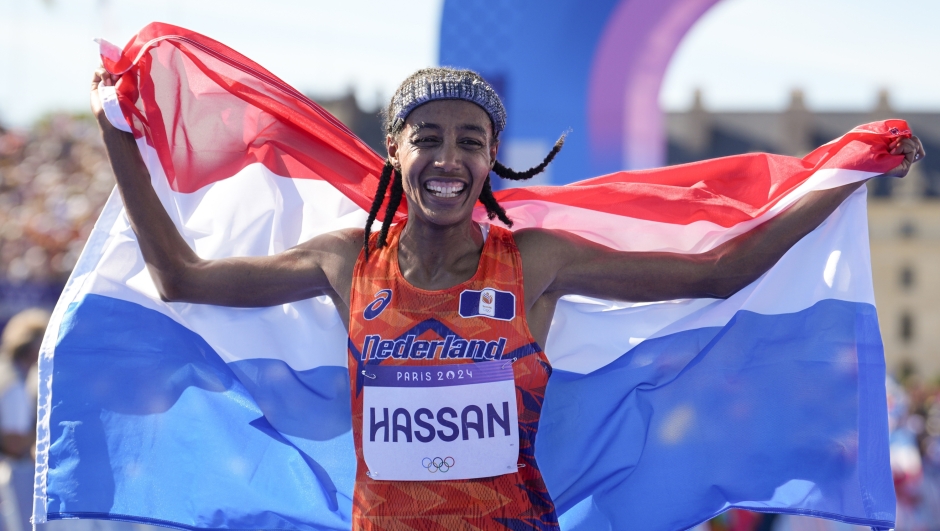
(54, 180)
(914, 420)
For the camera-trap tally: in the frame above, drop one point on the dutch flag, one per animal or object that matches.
(657, 417)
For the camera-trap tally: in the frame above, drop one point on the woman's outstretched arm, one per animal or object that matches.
(558, 263)
(321, 266)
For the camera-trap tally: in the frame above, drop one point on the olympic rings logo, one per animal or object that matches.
(442, 464)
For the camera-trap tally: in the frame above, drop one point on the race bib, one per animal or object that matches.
(440, 422)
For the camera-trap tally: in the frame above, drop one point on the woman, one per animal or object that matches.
(439, 292)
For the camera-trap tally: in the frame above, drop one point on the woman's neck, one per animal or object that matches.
(432, 257)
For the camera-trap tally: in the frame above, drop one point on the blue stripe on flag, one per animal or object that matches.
(763, 413)
(149, 420)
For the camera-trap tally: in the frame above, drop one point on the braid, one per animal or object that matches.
(493, 209)
(513, 175)
(384, 179)
(393, 201)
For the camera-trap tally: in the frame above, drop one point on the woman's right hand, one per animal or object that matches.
(105, 78)
(308, 270)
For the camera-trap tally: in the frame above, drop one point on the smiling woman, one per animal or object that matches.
(442, 130)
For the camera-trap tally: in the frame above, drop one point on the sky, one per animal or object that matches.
(750, 54)
(743, 54)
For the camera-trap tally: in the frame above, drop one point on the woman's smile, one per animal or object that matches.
(444, 188)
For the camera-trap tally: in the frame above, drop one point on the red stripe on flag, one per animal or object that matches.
(724, 191)
(209, 111)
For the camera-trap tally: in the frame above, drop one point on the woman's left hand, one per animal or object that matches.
(913, 151)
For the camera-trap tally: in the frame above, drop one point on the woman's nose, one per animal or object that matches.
(449, 156)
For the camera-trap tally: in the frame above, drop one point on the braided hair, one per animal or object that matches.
(493, 208)
(391, 177)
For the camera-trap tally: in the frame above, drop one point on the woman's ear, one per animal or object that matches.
(391, 146)
(494, 149)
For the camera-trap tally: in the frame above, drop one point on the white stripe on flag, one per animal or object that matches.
(829, 263)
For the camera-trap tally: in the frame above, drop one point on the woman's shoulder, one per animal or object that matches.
(337, 252)
(545, 251)
(538, 239)
(342, 242)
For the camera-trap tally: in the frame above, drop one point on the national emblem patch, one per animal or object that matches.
(488, 302)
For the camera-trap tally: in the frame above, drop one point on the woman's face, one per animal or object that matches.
(445, 152)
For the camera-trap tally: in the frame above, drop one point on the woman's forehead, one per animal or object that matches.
(446, 114)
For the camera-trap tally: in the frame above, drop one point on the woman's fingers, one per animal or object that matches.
(913, 151)
(920, 149)
(908, 149)
(96, 78)
(102, 77)
(911, 148)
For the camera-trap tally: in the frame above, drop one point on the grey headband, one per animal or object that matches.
(446, 84)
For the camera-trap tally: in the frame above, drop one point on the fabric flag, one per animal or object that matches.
(658, 416)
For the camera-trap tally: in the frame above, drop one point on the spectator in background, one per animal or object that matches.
(19, 352)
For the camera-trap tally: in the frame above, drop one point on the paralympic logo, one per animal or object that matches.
(382, 298)
(438, 463)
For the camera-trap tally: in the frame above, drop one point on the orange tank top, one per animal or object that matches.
(434, 328)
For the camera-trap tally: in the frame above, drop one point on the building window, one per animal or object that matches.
(907, 277)
(908, 230)
(932, 190)
(907, 327)
(880, 188)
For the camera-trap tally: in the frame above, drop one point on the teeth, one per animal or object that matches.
(442, 189)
